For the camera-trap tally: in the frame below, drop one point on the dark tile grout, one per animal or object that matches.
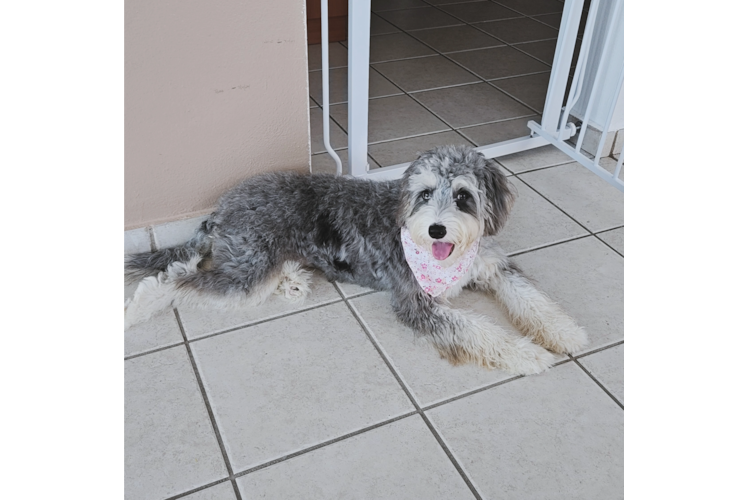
(605, 242)
(152, 351)
(412, 399)
(591, 232)
(548, 245)
(598, 349)
(199, 488)
(535, 169)
(264, 320)
(211, 415)
(600, 384)
(324, 443)
(485, 388)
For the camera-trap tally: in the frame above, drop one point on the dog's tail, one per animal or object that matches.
(142, 265)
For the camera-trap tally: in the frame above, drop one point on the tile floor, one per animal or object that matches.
(332, 398)
(442, 71)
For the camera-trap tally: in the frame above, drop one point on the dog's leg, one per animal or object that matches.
(463, 339)
(160, 292)
(152, 296)
(529, 309)
(295, 282)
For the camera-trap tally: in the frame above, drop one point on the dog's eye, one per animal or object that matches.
(462, 196)
(426, 195)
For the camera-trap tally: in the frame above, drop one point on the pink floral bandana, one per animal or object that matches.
(433, 278)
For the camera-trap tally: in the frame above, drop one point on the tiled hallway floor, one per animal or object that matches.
(333, 398)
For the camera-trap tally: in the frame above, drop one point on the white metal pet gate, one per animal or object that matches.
(588, 109)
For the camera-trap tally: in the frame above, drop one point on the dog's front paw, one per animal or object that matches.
(491, 347)
(561, 335)
(521, 357)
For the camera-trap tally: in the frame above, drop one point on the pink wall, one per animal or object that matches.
(215, 91)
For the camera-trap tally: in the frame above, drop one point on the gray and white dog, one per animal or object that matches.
(269, 229)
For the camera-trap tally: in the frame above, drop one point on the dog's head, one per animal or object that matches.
(449, 197)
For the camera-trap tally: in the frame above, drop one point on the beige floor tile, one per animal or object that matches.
(583, 195)
(613, 238)
(472, 12)
(534, 7)
(407, 150)
(535, 222)
(491, 133)
(198, 322)
(607, 367)
(324, 163)
(395, 46)
(170, 446)
(453, 38)
(499, 62)
(544, 156)
(137, 240)
(384, 5)
(221, 491)
(338, 56)
(420, 18)
(586, 278)
(401, 460)
(381, 27)
(350, 290)
(160, 331)
(555, 435)
(530, 89)
(519, 30)
(378, 85)
(338, 137)
(425, 73)
(285, 385)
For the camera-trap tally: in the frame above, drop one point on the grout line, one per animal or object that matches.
(536, 169)
(491, 122)
(382, 355)
(201, 488)
(323, 444)
(585, 370)
(152, 351)
(375, 143)
(591, 232)
(472, 392)
(546, 245)
(158, 349)
(451, 457)
(609, 229)
(502, 78)
(527, 42)
(596, 235)
(211, 415)
(398, 59)
(458, 131)
(513, 97)
(485, 388)
(459, 22)
(400, 8)
(599, 349)
(534, 17)
(500, 44)
(413, 401)
(265, 320)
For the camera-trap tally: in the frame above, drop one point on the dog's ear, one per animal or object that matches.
(500, 196)
(403, 207)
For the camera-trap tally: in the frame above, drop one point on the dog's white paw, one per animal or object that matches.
(522, 357)
(489, 346)
(295, 282)
(561, 335)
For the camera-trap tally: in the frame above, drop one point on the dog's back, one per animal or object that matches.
(319, 220)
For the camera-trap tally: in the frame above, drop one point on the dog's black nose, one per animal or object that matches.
(437, 231)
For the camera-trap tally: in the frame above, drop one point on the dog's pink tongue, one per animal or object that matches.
(441, 249)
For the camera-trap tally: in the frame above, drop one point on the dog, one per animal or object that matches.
(423, 238)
